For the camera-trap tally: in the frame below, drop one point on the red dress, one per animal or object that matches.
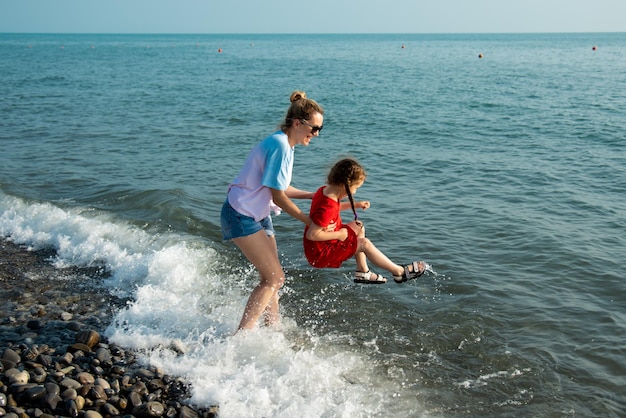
(332, 253)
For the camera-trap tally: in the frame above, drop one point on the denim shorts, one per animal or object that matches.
(236, 225)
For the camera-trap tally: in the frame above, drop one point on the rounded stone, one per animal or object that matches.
(80, 402)
(67, 358)
(8, 373)
(52, 387)
(89, 338)
(70, 383)
(69, 394)
(103, 355)
(92, 414)
(35, 324)
(11, 355)
(44, 359)
(134, 398)
(36, 393)
(52, 400)
(73, 326)
(102, 382)
(80, 347)
(145, 374)
(187, 412)
(149, 410)
(97, 392)
(20, 378)
(110, 409)
(140, 387)
(85, 378)
(30, 354)
(71, 408)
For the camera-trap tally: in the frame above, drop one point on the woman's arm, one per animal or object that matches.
(283, 201)
(294, 193)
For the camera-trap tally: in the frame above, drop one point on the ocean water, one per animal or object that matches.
(506, 173)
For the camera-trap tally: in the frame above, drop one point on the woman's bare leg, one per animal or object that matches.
(261, 251)
(272, 312)
(271, 316)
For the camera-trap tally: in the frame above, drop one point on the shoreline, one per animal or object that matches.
(54, 360)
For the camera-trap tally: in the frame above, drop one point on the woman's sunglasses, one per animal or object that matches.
(314, 128)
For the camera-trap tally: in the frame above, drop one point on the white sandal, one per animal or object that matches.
(366, 277)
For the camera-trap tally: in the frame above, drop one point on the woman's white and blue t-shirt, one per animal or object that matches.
(269, 165)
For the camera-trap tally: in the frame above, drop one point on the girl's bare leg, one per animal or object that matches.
(359, 256)
(369, 250)
(261, 251)
(366, 250)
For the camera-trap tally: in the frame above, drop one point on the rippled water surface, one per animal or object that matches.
(506, 173)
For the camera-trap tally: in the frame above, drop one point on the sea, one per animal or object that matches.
(499, 159)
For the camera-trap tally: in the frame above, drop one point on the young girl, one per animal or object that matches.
(328, 242)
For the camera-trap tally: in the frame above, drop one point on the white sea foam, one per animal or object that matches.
(180, 300)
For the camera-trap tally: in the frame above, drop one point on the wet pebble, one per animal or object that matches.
(19, 378)
(35, 394)
(149, 410)
(54, 363)
(46, 382)
(85, 378)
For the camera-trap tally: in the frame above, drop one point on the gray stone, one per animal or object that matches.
(11, 355)
(149, 410)
(92, 414)
(36, 393)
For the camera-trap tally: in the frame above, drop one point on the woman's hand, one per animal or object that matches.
(326, 233)
(330, 227)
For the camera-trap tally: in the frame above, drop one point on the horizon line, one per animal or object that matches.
(307, 33)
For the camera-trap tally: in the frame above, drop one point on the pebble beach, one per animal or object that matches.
(54, 360)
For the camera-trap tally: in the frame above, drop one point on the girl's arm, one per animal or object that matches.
(319, 233)
(282, 200)
(362, 204)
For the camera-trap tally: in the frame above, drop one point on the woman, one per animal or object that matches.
(263, 184)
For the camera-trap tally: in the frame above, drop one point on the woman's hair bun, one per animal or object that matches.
(297, 95)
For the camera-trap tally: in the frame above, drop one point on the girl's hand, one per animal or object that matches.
(343, 234)
(358, 228)
(363, 204)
